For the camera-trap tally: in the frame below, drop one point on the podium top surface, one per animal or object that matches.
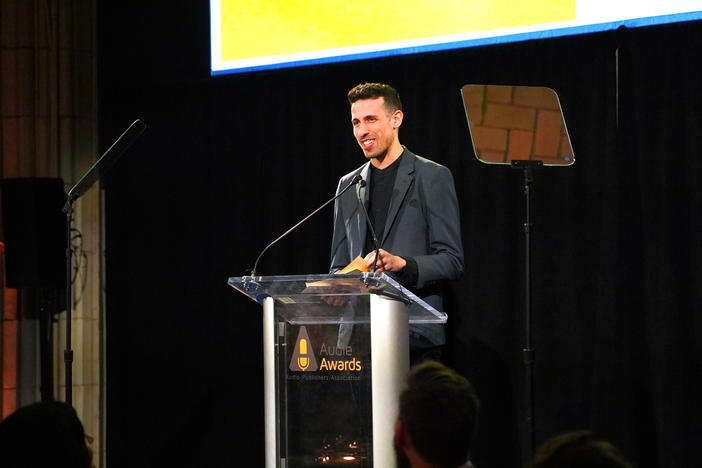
(327, 297)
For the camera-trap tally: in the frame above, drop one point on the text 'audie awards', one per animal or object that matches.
(338, 364)
(333, 358)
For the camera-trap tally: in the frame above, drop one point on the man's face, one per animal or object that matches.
(374, 126)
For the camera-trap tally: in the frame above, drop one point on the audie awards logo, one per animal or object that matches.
(303, 359)
(333, 358)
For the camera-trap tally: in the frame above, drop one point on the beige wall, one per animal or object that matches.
(48, 128)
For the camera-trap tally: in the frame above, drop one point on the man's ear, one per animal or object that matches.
(400, 434)
(397, 119)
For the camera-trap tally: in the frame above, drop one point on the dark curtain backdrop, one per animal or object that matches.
(228, 163)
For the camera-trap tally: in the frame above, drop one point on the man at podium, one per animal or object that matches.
(412, 206)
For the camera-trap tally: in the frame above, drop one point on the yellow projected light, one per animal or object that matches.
(262, 28)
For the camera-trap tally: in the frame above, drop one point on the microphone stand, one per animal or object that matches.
(99, 169)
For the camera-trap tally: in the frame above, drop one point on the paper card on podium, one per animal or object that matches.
(356, 266)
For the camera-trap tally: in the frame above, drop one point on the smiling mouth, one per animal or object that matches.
(367, 143)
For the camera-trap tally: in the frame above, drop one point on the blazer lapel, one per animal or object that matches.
(403, 180)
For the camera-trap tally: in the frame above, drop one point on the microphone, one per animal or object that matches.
(362, 183)
(353, 182)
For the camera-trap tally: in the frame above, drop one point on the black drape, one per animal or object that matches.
(228, 163)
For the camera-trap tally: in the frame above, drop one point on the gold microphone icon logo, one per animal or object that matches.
(303, 361)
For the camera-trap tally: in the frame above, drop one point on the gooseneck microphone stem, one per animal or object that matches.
(370, 225)
(353, 182)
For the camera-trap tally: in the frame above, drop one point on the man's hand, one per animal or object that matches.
(336, 301)
(386, 261)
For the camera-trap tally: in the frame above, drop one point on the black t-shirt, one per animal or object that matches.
(381, 184)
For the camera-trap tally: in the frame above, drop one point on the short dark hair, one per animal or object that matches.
(578, 449)
(439, 409)
(54, 427)
(376, 90)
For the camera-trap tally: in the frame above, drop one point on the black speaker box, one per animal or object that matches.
(34, 228)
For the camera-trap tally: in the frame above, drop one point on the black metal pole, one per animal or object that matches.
(68, 352)
(528, 350)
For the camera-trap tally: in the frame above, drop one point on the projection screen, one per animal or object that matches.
(249, 35)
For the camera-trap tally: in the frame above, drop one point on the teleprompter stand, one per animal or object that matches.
(527, 167)
(524, 127)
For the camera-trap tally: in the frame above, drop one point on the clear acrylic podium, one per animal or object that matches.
(335, 355)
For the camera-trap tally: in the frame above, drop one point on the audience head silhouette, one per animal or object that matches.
(437, 418)
(578, 449)
(45, 434)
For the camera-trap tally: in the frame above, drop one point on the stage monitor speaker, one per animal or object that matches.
(34, 228)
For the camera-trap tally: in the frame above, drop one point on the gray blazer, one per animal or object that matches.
(423, 223)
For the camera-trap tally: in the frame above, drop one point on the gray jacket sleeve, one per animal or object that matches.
(440, 205)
